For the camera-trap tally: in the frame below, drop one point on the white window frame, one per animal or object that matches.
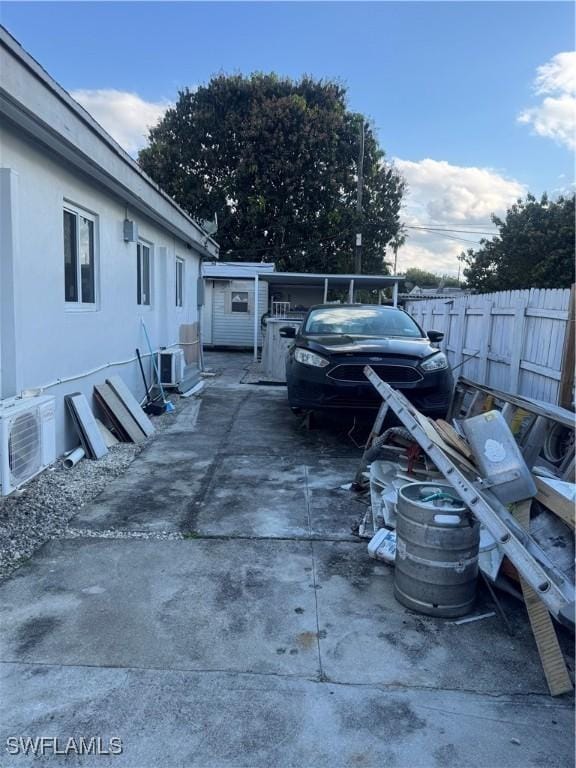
(139, 293)
(180, 282)
(79, 305)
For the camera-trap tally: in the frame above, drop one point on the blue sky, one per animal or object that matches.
(444, 83)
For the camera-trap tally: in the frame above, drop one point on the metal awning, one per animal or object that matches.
(305, 278)
(353, 282)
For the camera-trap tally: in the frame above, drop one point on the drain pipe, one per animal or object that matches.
(73, 457)
(200, 309)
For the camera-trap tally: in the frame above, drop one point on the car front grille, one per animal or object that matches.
(392, 374)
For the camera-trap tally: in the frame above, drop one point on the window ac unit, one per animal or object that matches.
(27, 440)
(171, 367)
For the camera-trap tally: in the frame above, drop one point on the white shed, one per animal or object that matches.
(228, 318)
(89, 247)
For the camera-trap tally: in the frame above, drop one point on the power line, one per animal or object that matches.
(445, 229)
(452, 237)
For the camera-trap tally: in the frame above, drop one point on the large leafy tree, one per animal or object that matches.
(422, 277)
(534, 248)
(276, 160)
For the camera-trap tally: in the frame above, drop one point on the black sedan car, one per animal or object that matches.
(324, 369)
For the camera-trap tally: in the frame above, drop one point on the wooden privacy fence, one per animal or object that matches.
(515, 341)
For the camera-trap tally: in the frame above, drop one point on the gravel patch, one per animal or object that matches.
(41, 509)
(86, 533)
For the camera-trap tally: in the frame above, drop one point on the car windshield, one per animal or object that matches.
(362, 321)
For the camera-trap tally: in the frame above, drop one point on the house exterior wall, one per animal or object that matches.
(232, 329)
(56, 341)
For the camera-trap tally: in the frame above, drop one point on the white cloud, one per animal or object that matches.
(555, 116)
(126, 116)
(449, 196)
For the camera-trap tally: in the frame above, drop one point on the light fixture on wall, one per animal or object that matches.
(130, 231)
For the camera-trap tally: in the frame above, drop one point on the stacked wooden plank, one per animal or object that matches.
(122, 411)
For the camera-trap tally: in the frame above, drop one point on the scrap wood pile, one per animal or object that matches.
(505, 461)
(123, 420)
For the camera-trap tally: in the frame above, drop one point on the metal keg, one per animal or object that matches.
(437, 541)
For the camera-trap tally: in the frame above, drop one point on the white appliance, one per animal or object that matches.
(171, 367)
(27, 439)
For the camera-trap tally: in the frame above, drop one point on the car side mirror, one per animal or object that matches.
(287, 332)
(435, 336)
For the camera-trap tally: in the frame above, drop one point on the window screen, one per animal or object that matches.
(143, 274)
(239, 301)
(179, 282)
(70, 257)
(79, 258)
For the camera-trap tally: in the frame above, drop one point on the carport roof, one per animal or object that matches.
(305, 278)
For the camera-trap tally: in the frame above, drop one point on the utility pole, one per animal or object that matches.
(359, 186)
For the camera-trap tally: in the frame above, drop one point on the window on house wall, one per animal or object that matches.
(179, 282)
(239, 301)
(79, 257)
(144, 281)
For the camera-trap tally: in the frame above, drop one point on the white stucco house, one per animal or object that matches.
(235, 300)
(89, 246)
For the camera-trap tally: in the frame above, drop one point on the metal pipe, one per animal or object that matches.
(256, 319)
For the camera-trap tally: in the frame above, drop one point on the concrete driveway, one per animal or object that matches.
(211, 608)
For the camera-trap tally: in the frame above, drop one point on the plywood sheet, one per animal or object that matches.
(107, 436)
(558, 496)
(131, 404)
(189, 342)
(121, 414)
(90, 437)
(549, 649)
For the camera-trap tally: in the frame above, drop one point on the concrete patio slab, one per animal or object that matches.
(261, 633)
(368, 637)
(153, 495)
(215, 720)
(333, 510)
(196, 604)
(247, 498)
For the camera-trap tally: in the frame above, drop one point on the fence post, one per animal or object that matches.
(485, 342)
(460, 337)
(517, 346)
(566, 388)
(447, 322)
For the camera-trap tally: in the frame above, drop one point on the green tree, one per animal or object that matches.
(276, 160)
(534, 248)
(421, 277)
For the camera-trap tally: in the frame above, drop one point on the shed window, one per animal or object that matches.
(239, 301)
(143, 273)
(179, 282)
(79, 257)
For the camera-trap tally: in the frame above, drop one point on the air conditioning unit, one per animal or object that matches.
(171, 367)
(27, 440)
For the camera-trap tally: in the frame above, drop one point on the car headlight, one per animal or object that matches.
(435, 363)
(306, 357)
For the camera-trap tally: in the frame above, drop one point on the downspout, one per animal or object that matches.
(256, 318)
(200, 310)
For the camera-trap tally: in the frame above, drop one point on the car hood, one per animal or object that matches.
(366, 346)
